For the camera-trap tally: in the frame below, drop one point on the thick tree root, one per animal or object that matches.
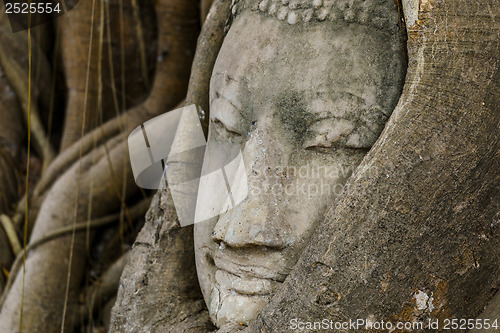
(135, 212)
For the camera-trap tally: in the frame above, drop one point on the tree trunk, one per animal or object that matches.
(415, 237)
(159, 288)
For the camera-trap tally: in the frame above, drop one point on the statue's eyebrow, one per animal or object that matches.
(225, 76)
(327, 96)
(219, 94)
(341, 94)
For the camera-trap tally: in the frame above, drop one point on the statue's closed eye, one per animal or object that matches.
(224, 129)
(226, 117)
(329, 134)
(359, 132)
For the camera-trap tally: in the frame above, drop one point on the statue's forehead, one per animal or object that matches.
(263, 54)
(255, 38)
(263, 58)
(379, 14)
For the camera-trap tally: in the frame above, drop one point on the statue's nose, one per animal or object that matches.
(259, 219)
(251, 224)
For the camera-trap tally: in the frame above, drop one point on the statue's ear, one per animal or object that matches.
(415, 235)
(209, 44)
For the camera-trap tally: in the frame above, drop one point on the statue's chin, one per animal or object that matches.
(229, 307)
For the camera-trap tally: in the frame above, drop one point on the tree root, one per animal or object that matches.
(209, 44)
(11, 134)
(135, 212)
(172, 282)
(10, 231)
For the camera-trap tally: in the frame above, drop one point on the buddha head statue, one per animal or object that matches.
(304, 89)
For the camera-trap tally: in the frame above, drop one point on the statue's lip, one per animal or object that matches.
(247, 270)
(248, 286)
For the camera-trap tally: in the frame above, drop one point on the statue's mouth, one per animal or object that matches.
(249, 267)
(248, 286)
(244, 277)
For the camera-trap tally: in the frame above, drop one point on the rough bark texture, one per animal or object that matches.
(422, 211)
(83, 51)
(161, 265)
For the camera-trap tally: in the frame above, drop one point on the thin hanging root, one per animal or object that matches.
(135, 212)
(116, 104)
(10, 231)
(140, 38)
(16, 72)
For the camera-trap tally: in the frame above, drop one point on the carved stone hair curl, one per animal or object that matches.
(380, 14)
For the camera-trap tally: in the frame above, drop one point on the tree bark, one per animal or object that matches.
(159, 288)
(97, 49)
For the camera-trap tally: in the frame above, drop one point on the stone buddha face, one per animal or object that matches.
(304, 102)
